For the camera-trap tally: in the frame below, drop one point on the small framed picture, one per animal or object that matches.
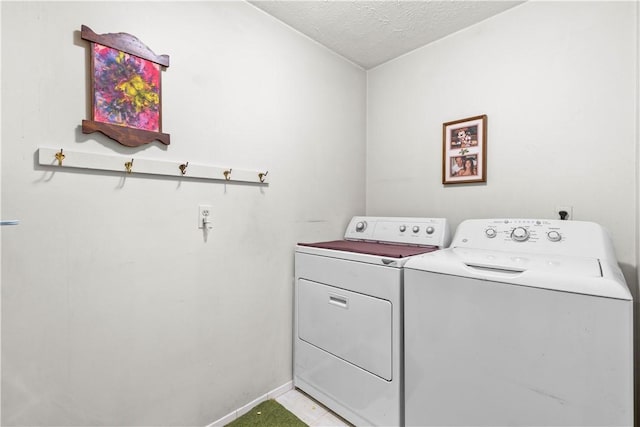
(464, 150)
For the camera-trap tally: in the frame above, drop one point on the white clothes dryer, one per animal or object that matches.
(348, 315)
(521, 322)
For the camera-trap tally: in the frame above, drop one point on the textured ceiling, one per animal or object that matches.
(370, 33)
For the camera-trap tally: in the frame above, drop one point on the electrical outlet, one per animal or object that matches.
(204, 216)
(565, 208)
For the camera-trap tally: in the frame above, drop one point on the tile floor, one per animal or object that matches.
(309, 411)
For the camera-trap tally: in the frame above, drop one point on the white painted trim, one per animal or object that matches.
(278, 391)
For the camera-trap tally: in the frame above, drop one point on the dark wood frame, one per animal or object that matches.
(475, 149)
(127, 43)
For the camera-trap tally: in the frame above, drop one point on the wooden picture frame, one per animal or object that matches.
(464, 150)
(126, 89)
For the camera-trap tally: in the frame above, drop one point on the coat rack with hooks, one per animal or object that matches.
(130, 165)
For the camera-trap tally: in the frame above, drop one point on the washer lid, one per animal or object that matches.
(517, 262)
(562, 273)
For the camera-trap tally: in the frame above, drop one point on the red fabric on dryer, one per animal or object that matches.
(372, 248)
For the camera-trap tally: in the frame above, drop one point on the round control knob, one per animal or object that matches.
(490, 233)
(403, 228)
(554, 236)
(520, 234)
(416, 228)
(360, 226)
(430, 230)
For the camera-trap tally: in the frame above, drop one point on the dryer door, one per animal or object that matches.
(352, 326)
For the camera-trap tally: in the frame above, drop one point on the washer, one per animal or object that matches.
(348, 315)
(521, 322)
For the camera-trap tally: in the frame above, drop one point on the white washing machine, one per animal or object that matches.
(519, 323)
(348, 315)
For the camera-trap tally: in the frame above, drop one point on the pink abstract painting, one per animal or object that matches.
(127, 89)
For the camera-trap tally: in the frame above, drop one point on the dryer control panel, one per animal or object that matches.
(402, 230)
(538, 236)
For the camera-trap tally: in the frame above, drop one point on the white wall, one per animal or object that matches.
(115, 311)
(557, 81)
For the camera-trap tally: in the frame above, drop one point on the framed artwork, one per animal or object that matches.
(464, 150)
(126, 89)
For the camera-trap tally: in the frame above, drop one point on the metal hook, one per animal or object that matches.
(227, 174)
(128, 166)
(60, 157)
(262, 176)
(183, 168)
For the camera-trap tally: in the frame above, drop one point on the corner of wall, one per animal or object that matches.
(637, 145)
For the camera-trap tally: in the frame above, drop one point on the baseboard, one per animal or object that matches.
(246, 408)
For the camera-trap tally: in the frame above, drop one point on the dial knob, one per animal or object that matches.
(490, 233)
(416, 228)
(554, 236)
(403, 228)
(520, 234)
(360, 226)
(430, 230)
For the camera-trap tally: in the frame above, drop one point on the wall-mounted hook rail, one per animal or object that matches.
(111, 162)
(183, 168)
(60, 157)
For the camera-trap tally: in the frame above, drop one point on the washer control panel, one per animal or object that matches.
(520, 230)
(574, 238)
(402, 230)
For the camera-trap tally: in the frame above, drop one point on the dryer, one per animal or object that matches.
(521, 322)
(348, 315)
